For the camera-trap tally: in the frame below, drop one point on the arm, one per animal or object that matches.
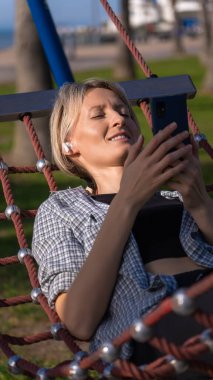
(195, 197)
(144, 173)
(85, 303)
(203, 216)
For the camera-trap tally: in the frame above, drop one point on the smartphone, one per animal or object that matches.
(165, 110)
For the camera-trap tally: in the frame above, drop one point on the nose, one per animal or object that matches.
(117, 119)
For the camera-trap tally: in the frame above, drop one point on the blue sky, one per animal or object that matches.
(67, 12)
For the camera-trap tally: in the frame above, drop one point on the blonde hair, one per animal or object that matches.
(65, 115)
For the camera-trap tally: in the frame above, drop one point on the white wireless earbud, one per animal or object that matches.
(67, 147)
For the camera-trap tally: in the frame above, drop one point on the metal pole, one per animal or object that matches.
(50, 41)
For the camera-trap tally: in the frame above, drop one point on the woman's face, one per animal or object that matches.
(104, 131)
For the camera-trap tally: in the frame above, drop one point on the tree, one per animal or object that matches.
(207, 13)
(179, 48)
(32, 74)
(124, 66)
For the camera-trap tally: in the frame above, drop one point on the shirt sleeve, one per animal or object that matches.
(57, 251)
(194, 243)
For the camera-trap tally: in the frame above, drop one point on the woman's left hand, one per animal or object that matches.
(190, 184)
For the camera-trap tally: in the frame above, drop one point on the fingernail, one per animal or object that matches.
(185, 133)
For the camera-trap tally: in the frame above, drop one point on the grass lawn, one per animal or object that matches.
(30, 190)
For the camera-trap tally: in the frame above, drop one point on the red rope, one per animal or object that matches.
(146, 70)
(158, 369)
(126, 38)
(39, 152)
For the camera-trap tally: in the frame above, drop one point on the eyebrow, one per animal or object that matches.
(102, 106)
(96, 107)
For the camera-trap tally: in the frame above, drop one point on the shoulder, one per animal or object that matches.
(61, 207)
(60, 212)
(67, 212)
(70, 205)
(62, 199)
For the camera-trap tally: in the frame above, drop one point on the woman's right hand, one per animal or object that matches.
(146, 170)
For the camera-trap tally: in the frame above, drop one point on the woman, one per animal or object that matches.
(97, 266)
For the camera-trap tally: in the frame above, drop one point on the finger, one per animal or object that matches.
(195, 146)
(174, 158)
(157, 140)
(170, 145)
(172, 142)
(172, 172)
(134, 150)
(175, 163)
(180, 145)
(189, 176)
(180, 178)
(175, 186)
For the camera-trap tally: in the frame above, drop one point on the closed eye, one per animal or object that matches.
(124, 113)
(99, 116)
(122, 110)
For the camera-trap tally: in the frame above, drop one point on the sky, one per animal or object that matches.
(64, 12)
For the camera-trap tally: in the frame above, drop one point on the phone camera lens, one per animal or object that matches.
(161, 109)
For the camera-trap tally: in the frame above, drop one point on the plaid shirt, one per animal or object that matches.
(65, 229)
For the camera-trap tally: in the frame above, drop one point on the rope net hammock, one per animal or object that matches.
(175, 358)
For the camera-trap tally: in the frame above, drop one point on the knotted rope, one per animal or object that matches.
(105, 361)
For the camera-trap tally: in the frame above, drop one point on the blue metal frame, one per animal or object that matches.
(50, 41)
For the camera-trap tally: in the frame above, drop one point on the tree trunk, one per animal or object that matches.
(207, 14)
(32, 74)
(178, 41)
(124, 65)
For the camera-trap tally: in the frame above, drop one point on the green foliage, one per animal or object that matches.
(190, 65)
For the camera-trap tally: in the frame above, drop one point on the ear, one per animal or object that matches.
(69, 149)
(66, 148)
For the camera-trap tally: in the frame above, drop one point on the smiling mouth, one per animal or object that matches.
(120, 138)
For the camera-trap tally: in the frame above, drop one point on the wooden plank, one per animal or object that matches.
(158, 87)
(40, 103)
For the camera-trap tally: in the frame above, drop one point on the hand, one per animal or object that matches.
(189, 182)
(147, 170)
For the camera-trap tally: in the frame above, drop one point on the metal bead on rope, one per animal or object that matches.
(3, 166)
(22, 253)
(198, 137)
(76, 372)
(42, 374)
(108, 352)
(80, 355)
(182, 304)
(34, 295)
(11, 209)
(41, 164)
(179, 366)
(142, 367)
(207, 338)
(55, 328)
(141, 332)
(12, 365)
(107, 372)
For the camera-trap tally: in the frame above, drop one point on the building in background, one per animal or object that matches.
(147, 18)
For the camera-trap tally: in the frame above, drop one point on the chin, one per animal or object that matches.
(122, 157)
